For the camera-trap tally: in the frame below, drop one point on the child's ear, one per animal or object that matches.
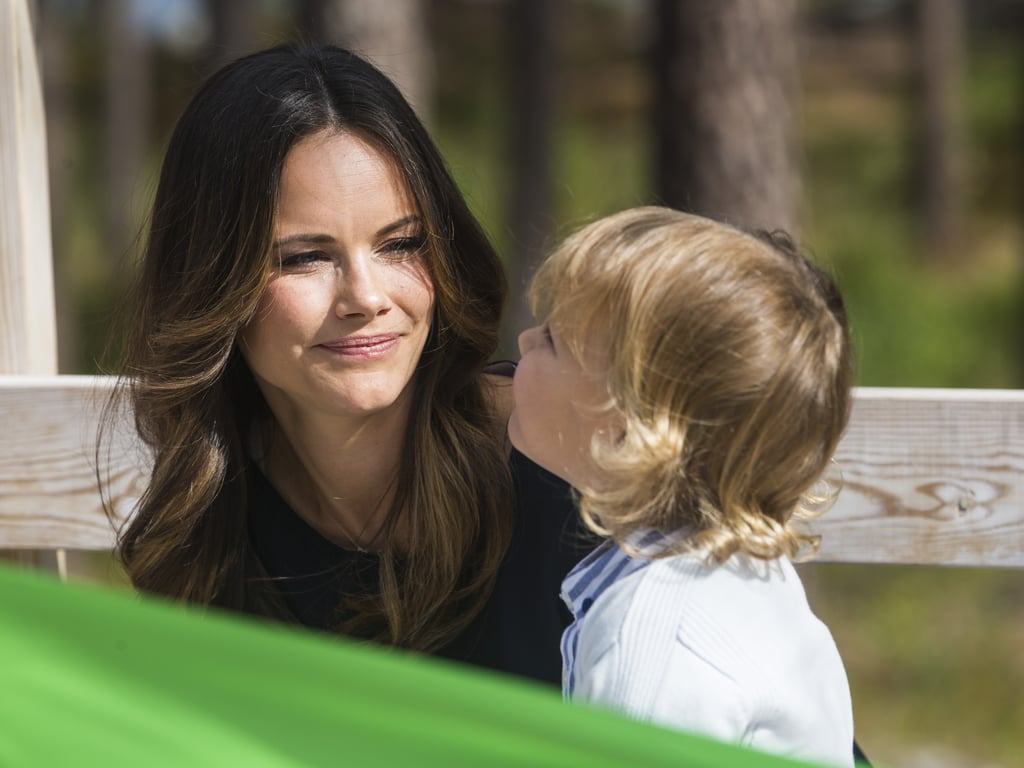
(617, 425)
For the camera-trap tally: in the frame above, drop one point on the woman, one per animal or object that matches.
(305, 360)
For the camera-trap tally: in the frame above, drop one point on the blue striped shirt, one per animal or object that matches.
(591, 577)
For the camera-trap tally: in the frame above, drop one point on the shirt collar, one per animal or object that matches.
(607, 564)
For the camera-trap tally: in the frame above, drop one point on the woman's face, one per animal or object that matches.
(343, 321)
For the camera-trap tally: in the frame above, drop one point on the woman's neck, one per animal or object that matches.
(339, 474)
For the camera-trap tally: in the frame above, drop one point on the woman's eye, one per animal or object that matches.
(403, 247)
(304, 259)
(546, 330)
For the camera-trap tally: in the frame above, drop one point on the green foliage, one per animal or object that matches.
(933, 656)
(919, 318)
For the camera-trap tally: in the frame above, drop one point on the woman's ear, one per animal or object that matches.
(498, 391)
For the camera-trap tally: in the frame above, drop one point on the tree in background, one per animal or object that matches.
(394, 35)
(311, 20)
(233, 31)
(53, 54)
(126, 129)
(1018, 32)
(534, 68)
(725, 106)
(938, 27)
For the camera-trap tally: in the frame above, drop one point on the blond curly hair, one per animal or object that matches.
(726, 354)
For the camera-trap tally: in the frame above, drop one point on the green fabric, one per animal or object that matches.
(93, 676)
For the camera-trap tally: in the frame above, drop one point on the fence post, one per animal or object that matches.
(28, 326)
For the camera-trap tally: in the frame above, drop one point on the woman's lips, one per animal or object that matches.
(366, 347)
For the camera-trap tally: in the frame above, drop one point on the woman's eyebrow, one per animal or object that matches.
(304, 238)
(403, 222)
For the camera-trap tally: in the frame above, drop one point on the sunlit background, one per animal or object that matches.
(898, 163)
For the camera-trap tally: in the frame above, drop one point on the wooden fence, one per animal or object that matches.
(928, 476)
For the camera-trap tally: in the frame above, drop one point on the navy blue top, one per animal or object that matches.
(520, 627)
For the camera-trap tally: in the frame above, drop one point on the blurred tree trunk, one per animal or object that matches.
(311, 20)
(233, 31)
(1016, 21)
(52, 46)
(533, 71)
(394, 35)
(126, 128)
(725, 106)
(939, 45)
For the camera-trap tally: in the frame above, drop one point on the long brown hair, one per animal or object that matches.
(205, 265)
(728, 356)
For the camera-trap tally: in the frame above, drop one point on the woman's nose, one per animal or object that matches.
(362, 291)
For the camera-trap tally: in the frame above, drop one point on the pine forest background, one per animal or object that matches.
(886, 134)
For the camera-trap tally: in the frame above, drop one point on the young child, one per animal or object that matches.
(692, 382)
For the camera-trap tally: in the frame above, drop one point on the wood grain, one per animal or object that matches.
(49, 492)
(928, 476)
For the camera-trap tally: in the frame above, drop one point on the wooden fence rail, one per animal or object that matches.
(929, 476)
(49, 493)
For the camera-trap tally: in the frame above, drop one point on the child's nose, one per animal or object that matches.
(527, 339)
